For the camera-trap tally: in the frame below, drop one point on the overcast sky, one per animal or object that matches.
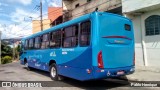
(15, 16)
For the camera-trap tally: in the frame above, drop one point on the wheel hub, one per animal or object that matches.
(53, 72)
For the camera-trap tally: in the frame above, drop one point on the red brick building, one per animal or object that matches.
(54, 18)
(55, 15)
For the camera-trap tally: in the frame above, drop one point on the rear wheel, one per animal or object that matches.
(53, 73)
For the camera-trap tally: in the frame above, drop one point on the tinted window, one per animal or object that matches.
(26, 45)
(55, 39)
(31, 43)
(45, 41)
(85, 33)
(70, 36)
(127, 27)
(37, 43)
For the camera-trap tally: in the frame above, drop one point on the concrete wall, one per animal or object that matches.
(138, 45)
(132, 5)
(67, 5)
(81, 2)
(84, 8)
(152, 43)
(36, 25)
(103, 5)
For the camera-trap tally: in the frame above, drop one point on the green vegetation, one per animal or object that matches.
(7, 53)
(6, 59)
(5, 50)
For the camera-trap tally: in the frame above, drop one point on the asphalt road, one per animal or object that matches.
(16, 72)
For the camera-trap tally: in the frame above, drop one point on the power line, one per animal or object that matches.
(32, 12)
(35, 8)
(37, 18)
(74, 14)
(45, 14)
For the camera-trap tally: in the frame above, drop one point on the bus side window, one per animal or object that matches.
(55, 39)
(85, 33)
(26, 45)
(31, 43)
(70, 37)
(45, 41)
(37, 43)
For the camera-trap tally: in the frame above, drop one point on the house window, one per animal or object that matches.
(85, 33)
(89, 0)
(152, 25)
(70, 36)
(77, 5)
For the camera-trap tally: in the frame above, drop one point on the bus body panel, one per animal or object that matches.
(66, 64)
(81, 62)
(77, 62)
(116, 43)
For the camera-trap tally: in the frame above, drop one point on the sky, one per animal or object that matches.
(16, 16)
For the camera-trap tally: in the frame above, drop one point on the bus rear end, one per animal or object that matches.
(115, 46)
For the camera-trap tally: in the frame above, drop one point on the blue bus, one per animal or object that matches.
(98, 45)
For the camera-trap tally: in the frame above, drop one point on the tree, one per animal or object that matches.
(6, 53)
(18, 50)
(5, 49)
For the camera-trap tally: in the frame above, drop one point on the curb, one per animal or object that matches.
(151, 69)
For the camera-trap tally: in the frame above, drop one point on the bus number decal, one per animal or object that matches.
(53, 54)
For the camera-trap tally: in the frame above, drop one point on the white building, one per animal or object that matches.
(145, 15)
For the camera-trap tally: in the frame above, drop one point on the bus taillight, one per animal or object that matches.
(100, 60)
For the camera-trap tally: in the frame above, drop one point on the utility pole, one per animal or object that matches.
(13, 49)
(41, 15)
(14, 53)
(0, 46)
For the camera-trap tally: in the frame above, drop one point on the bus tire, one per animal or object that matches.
(26, 66)
(53, 73)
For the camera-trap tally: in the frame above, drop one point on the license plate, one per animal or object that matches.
(120, 72)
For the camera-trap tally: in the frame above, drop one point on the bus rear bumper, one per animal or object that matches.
(113, 72)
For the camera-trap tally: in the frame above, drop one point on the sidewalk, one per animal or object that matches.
(143, 73)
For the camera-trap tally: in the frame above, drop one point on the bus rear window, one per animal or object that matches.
(127, 27)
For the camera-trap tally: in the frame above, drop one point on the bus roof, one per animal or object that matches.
(65, 24)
